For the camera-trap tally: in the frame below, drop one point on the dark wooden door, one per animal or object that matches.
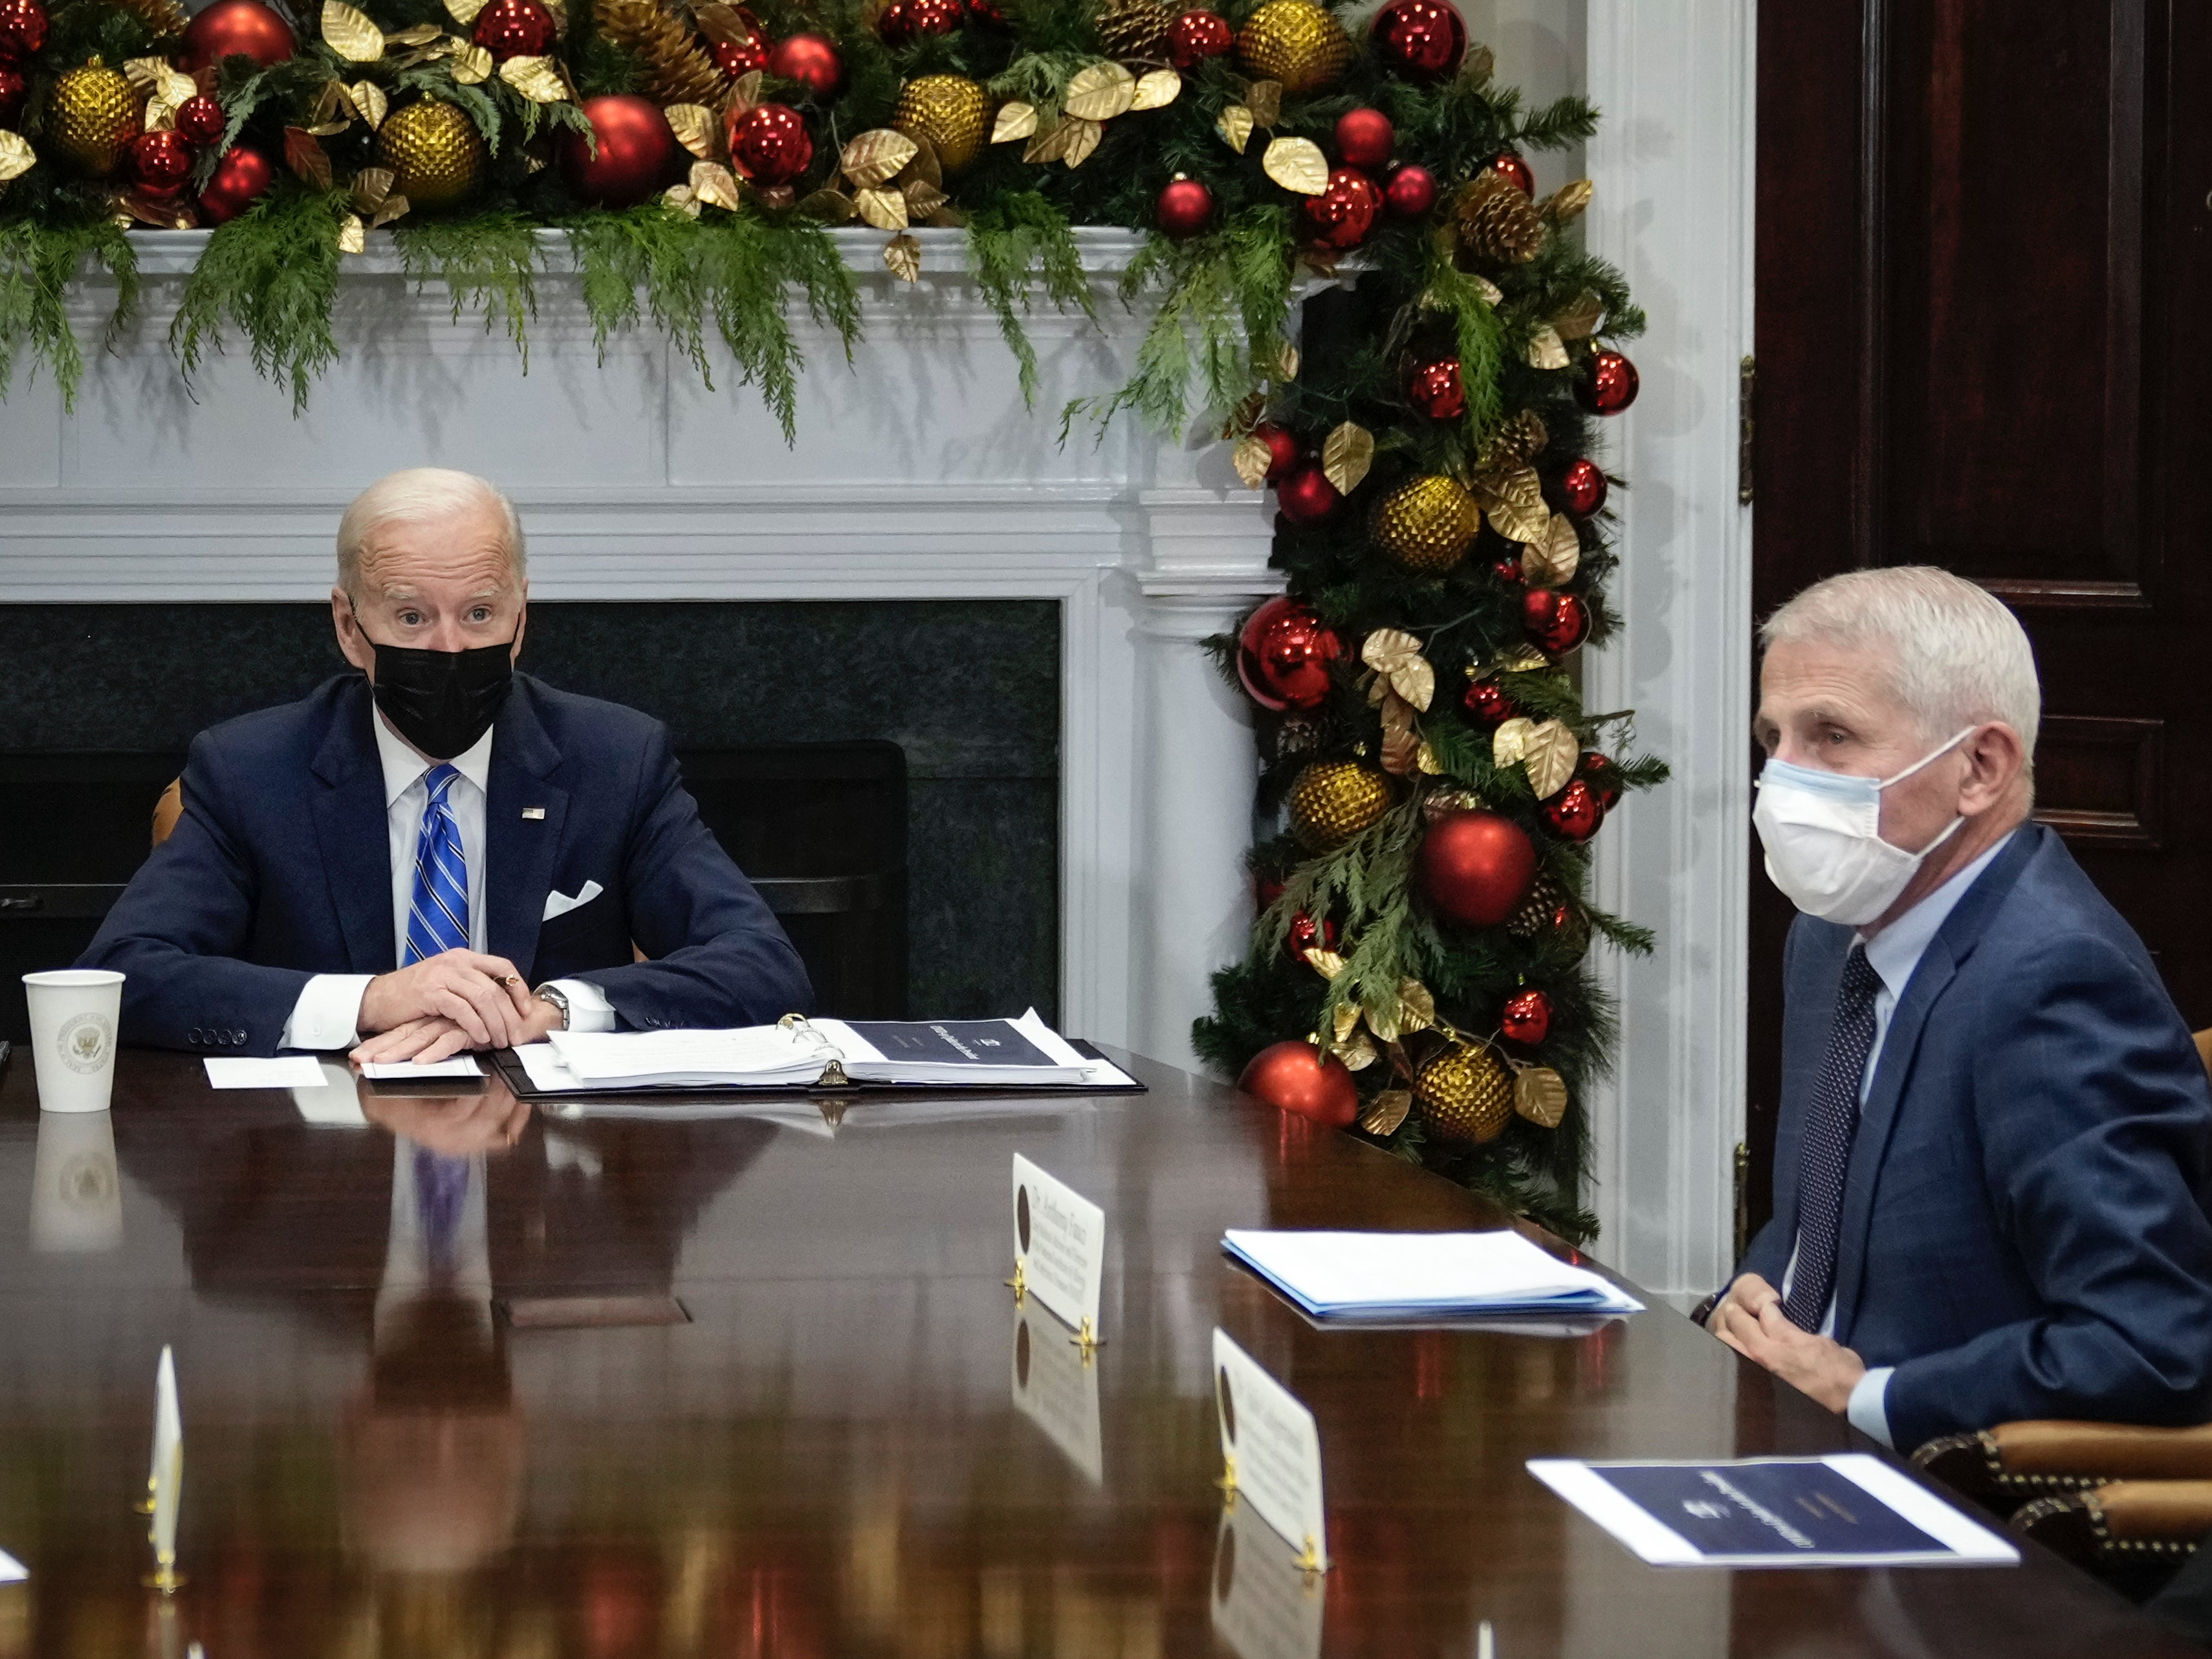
(1985, 342)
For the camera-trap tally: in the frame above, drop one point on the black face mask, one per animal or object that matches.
(442, 701)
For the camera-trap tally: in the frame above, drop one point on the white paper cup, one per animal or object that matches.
(77, 1195)
(74, 1013)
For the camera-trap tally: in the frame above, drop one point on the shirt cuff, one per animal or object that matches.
(327, 1013)
(1868, 1406)
(588, 1007)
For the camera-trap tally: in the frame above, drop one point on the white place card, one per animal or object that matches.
(1057, 1389)
(1265, 1605)
(285, 1072)
(1060, 1246)
(1271, 1449)
(12, 1571)
(408, 1071)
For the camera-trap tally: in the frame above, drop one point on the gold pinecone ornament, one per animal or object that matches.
(1132, 28)
(436, 154)
(1333, 801)
(676, 67)
(1427, 524)
(1295, 42)
(1550, 914)
(1498, 225)
(1466, 1094)
(91, 116)
(1514, 443)
(951, 112)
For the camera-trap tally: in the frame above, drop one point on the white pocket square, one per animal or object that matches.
(558, 904)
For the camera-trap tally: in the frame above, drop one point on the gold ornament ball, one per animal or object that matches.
(434, 152)
(1132, 28)
(1427, 525)
(951, 112)
(1333, 801)
(93, 115)
(1295, 42)
(1465, 1095)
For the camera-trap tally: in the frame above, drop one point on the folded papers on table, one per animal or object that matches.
(1402, 1276)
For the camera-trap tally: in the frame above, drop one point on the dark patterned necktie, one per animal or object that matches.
(1830, 1126)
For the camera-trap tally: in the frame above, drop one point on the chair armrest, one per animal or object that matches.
(2126, 1520)
(2031, 1459)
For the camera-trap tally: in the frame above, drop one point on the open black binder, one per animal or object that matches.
(512, 1073)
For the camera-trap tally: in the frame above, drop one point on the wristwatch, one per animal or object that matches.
(554, 995)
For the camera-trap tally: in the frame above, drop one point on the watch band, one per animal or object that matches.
(553, 993)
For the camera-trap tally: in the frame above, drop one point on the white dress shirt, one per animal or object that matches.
(328, 1013)
(1893, 953)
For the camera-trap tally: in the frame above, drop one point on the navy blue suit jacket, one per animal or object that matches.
(2023, 1230)
(280, 868)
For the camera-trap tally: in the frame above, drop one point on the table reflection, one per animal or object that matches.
(76, 1197)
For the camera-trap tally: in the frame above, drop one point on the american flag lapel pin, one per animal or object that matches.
(535, 812)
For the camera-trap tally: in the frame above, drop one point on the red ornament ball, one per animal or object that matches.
(1526, 1018)
(1364, 138)
(240, 179)
(1558, 621)
(514, 28)
(736, 59)
(1411, 192)
(1582, 487)
(1435, 390)
(1343, 213)
(1476, 867)
(637, 152)
(1574, 812)
(1267, 889)
(22, 29)
(1307, 934)
(1196, 36)
(1283, 450)
(160, 163)
(983, 11)
(14, 88)
(1603, 778)
(1419, 40)
(910, 20)
(1487, 701)
(201, 120)
(1307, 496)
(809, 59)
(236, 29)
(1297, 1077)
(1507, 567)
(1283, 654)
(770, 144)
(1608, 383)
(1515, 171)
(1185, 207)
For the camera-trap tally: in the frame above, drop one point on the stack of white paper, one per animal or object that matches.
(1401, 1276)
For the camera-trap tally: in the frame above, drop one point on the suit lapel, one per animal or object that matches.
(520, 851)
(351, 828)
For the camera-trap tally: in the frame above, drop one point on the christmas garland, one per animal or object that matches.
(1417, 968)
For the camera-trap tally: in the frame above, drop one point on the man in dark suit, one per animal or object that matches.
(437, 853)
(1991, 1166)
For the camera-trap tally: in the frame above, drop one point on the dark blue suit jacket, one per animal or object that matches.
(2023, 1231)
(281, 868)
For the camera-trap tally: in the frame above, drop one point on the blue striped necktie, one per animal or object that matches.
(438, 915)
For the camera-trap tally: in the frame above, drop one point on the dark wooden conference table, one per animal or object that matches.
(858, 1444)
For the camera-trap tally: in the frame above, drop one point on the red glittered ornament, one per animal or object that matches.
(1476, 867)
(160, 163)
(1343, 213)
(910, 20)
(1307, 496)
(1507, 567)
(1184, 207)
(1307, 934)
(1487, 701)
(1196, 36)
(739, 57)
(1582, 486)
(770, 144)
(1526, 1018)
(637, 152)
(240, 179)
(1419, 40)
(1297, 1077)
(1555, 621)
(809, 59)
(1603, 778)
(1434, 389)
(1574, 812)
(201, 120)
(236, 29)
(1515, 171)
(22, 29)
(514, 28)
(1608, 383)
(15, 88)
(1411, 192)
(1364, 138)
(1283, 450)
(1283, 654)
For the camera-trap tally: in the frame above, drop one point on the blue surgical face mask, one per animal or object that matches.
(1822, 832)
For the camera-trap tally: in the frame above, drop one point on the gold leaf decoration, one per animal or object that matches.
(831, 207)
(1386, 1111)
(922, 199)
(1357, 1055)
(1265, 99)
(304, 154)
(1513, 501)
(744, 93)
(1545, 348)
(1580, 319)
(903, 255)
(538, 79)
(393, 206)
(1082, 140)
(1286, 362)
(875, 157)
(695, 129)
(1156, 89)
(1327, 963)
(1234, 124)
(1100, 92)
(464, 12)
(1344, 1020)
(369, 100)
(1417, 1008)
(1549, 753)
(421, 34)
(145, 74)
(1346, 455)
(682, 198)
(1383, 1021)
(16, 155)
(1568, 202)
(1555, 560)
(1511, 741)
(1428, 761)
(1478, 66)
(715, 185)
(883, 208)
(1400, 743)
(472, 65)
(1016, 120)
(1396, 656)
(371, 187)
(1296, 164)
(352, 236)
(1252, 459)
(722, 23)
(349, 33)
(1540, 1094)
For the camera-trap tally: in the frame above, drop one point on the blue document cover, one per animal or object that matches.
(951, 1041)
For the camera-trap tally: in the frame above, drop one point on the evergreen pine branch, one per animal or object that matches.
(488, 263)
(272, 273)
(38, 261)
(1009, 239)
